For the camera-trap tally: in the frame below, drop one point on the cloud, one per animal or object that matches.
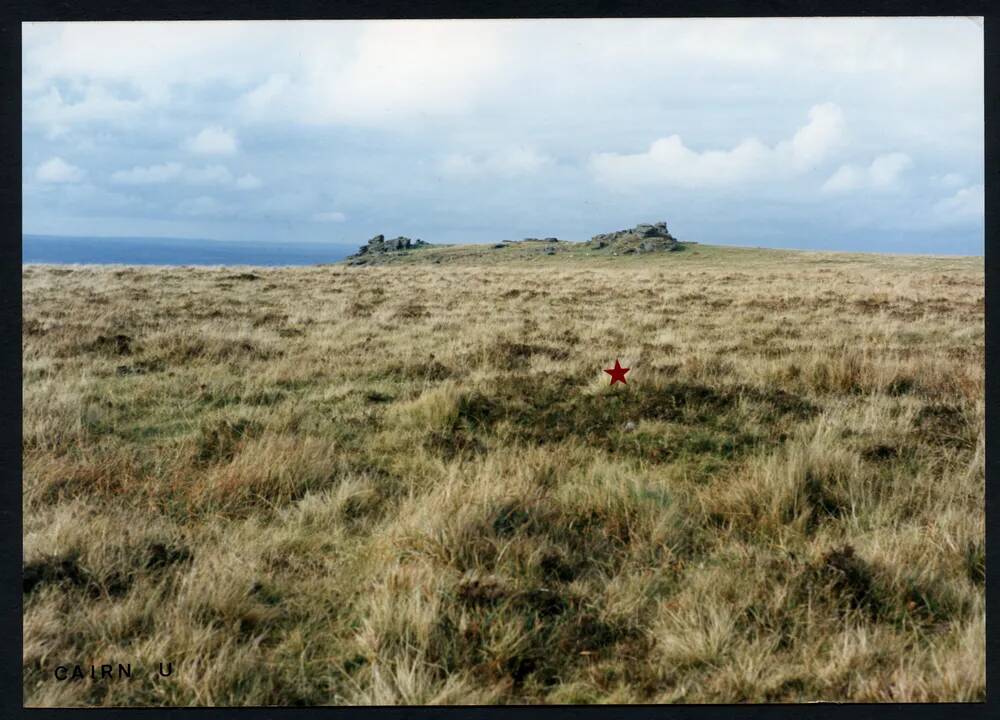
(511, 162)
(92, 104)
(950, 179)
(118, 54)
(401, 70)
(668, 161)
(329, 217)
(966, 205)
(882, 174)
(361, 115)
(379, 74)
(360, 73)
(149, 175)
(213, 140)
(397, 70)
(119, 73)
(813, 143)
(162, 173)
(248, 182)
(57, 170)
(209, 175)
(266, 95)
(457, 164)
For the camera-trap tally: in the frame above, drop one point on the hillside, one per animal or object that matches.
(410, 481)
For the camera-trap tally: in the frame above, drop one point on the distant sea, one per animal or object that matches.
(174, 251)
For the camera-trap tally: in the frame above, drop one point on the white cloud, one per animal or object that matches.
(93, 104)
(209, 175)
(120, 72)
(951, 179)
(511, 162)
(213, 140)
(670, 162)
(518, 161)
(149, 175)
(57, 170)
(882, 174)
(403, 69)
(457, 164)
(120, 52)
(394, 71)
(218, 175)
(813, 143)
(966, 205)
(847, 177)
(379, 73)
(248, 182)
(329, 217)
(267, 94)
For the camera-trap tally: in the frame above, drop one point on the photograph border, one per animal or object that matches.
(11, 623)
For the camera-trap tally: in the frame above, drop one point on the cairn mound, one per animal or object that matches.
(378, 247)
(642, 238)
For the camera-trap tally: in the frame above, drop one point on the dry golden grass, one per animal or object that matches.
(412, 484)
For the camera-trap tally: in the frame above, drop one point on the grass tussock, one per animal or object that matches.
(412, 484)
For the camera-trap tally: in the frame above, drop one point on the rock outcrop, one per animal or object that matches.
(643, 238)
(378, 246)
(640, 239)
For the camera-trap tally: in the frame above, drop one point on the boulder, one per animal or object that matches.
(643, 238)
(378, 245)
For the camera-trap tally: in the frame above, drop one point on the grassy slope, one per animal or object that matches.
(572, 254)
(412, 483)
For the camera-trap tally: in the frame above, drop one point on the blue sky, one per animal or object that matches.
(858, 134)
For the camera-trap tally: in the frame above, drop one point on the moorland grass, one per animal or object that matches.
(411, 483)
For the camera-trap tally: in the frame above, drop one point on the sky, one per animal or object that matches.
(841, 134)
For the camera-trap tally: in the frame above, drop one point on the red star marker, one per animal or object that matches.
(617, 373)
